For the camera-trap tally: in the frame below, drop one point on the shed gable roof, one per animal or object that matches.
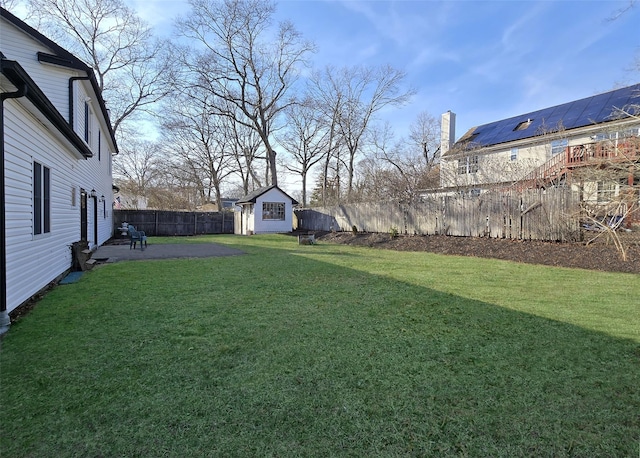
(592, 110)
(253, 196)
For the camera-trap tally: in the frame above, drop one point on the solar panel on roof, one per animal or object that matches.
(551, 118)
(579, 113)
(620, 101)
(574, 113)
(596, 110)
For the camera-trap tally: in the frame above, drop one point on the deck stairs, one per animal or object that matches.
(598, 154)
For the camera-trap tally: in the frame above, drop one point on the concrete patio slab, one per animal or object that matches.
(115, 253)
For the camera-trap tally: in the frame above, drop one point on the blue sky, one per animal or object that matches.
(483, 60)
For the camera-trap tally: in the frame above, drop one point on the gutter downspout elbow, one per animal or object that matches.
(72, 99)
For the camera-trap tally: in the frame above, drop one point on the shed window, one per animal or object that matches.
(514, 154)
(41, 199)
(273, 211)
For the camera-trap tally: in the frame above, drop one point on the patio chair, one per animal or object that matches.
(136, 236)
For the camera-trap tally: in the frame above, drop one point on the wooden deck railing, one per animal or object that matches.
(582, 155)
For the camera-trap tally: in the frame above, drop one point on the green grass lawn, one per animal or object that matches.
(325, 350)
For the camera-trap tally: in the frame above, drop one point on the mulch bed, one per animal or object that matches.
(600, 255)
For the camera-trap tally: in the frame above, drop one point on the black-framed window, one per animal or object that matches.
(86, 122)
(41, 199)
(273, 211)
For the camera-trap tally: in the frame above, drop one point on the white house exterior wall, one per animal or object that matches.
(53, 80)
(34, 261)
(495, 164)
(262, 226)
(250, 219)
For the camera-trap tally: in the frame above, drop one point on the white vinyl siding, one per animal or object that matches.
(34, 261)
(54, 81)
(271, 197)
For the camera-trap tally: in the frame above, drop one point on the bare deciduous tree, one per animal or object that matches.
(404, 166)
(245, 143)
(138, 166)
(130, 65)
(325, 89)
(609, 180)
(199, 140)
(366, 92)
(237, 59)
(424, 138)
(306, 140)
(9, 4)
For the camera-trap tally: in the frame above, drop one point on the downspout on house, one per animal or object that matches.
(5, 320)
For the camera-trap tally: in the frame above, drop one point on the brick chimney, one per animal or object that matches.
(447, 132)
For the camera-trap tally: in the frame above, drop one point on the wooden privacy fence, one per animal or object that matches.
(169, 223)
(530, 214)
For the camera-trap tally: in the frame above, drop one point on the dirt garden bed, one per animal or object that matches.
(600, 255)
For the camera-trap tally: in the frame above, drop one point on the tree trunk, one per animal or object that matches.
(272, 167)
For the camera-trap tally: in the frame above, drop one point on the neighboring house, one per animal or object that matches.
(56, 144)
(542, 147)
(124, 201)
(228, 204)
(265, 210)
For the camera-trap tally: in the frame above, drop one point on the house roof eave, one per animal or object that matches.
(64, 58)
(18, 77)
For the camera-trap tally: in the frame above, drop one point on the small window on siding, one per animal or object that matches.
(273, 211)
(41, 199)
(473, 164)
(87, 123)
(558, 146)
(468, 165)
(606, 191)
(514, 154)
